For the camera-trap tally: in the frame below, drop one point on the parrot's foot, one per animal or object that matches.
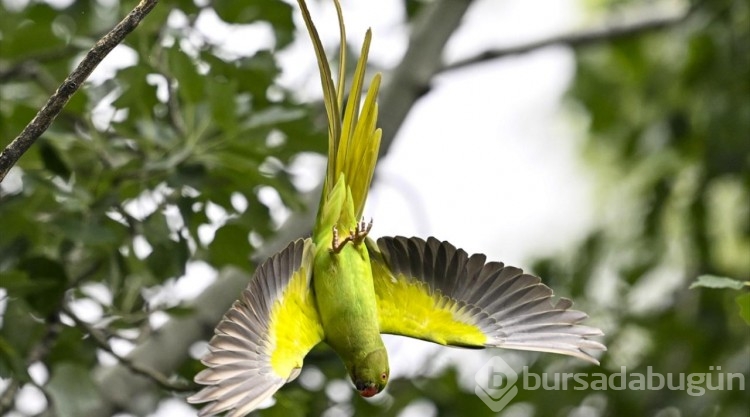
(360, 233)
(356, 236)
(337, 245)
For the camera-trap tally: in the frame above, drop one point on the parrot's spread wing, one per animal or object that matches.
(432, 291)
(261, 341)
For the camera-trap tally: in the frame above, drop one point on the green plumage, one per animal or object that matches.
(343, 280)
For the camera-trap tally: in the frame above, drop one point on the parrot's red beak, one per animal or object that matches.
(366, 389)
(368, 392)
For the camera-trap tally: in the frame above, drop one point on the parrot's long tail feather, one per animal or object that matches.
(354, 141)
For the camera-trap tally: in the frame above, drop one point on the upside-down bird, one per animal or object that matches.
(343, 288)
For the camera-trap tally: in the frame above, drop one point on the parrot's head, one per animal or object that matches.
(370, 374)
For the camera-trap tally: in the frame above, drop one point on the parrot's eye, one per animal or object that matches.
(384, 376)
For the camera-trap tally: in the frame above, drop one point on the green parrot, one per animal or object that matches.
(345, 289)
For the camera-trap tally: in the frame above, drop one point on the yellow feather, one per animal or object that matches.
(405, 307)
(367, 145)
(354, 141)
(330, 98)
(294, 322)
(342, 55)
(351, 113)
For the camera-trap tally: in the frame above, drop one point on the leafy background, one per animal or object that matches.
(104, 213)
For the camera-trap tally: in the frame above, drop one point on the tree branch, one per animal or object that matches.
(41, 122)
(40, 351)
(165, 350)
(8, 397)
(578, 39)
(101, 340)
(423, 59)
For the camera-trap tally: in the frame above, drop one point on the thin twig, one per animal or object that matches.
(37, 353)
(8, 397)
(51, 333)
(101, 340)
(40, 351)
(72, 83)
(577, 39)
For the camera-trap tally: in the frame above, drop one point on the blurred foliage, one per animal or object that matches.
(163, 163)
(668, 121)
(117, 192)
(743, 300)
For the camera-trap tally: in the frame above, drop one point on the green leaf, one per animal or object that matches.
(235, 11)
(30, 32)
(192, 213)
(275, 12)
(73, 345)
(713, 281)
(52, 161)
(744, 302)
(256, 74)
(180, 311)
(221, 94)
(15, 249)
(12, 364)
(168, 259)
(191, 84)
(14, 119)
(230, 246)
(52, 279)
(413, 7)
(20, 332)
(18, 283)
(293, 402)
(73, 391)
(186, 6)
(156, 229)
(91, 232)
(259, 213)
(137, 95)
(273, 116)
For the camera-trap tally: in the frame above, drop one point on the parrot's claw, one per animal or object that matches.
(337, 245)
(356, 236)
(361, 232)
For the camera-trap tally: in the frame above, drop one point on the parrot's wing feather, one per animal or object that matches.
(432, 291)
(260, 343)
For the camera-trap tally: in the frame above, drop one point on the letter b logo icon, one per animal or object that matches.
(496, 384)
